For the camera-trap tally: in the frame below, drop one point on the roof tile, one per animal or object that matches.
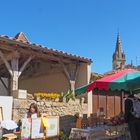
(20, 37)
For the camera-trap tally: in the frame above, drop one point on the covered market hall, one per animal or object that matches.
(30, 66)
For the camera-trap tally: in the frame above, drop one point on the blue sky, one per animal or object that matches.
(83, 27)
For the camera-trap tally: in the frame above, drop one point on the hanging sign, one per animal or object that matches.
(37, 128)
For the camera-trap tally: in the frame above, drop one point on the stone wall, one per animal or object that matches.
(66, 111)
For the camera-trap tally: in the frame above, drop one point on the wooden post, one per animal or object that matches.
(71, 76)
(9, 85)
(122, 101)
(17, 72)
(6, 63)
(65, 70)
(14, 82)
(24, 65)
(13, 69)
(106, 104)
(98, 102)
(72, 84)
(114, 106)
(4, 84)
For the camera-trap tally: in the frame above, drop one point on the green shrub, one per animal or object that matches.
(63, 136)
(69, 95)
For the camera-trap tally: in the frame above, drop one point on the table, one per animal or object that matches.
(101, 132)
(9, 136)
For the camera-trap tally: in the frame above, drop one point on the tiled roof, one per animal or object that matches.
(115, 71)
(21, 40)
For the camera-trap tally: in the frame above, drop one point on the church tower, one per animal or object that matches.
(118, 56)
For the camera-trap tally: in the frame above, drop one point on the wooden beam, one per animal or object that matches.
(44, 55)
(37, 51)
(71, 76)
(77, 70)
(7, 47)
(24, 65)
(10, 56)
(17, 44)
(4, 72)
(4, 84)
(6, 63)
(14, 64)
(65, 70)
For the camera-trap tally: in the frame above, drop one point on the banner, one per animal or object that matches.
(37, 128)
(25, 129)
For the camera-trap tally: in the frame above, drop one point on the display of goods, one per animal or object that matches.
(47, 94)
(117, 120)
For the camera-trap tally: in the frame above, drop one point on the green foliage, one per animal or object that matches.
(63, 136)
(77, 115)
(69, 95)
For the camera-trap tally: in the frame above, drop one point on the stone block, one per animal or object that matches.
(57, 100)
(77, 101)
(42, 103)
(20, 103)
(20, 94)
(55, 104)
(30, 97)
(38, 98)
(18, 114)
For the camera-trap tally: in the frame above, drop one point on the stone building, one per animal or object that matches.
(119, 60)
(37, 68)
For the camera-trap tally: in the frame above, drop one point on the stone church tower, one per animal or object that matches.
(118, 61)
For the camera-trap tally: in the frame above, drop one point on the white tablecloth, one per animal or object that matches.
(100, 132)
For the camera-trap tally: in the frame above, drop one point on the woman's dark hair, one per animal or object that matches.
(33, 105)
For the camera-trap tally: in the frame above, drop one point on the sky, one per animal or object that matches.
(83, 27)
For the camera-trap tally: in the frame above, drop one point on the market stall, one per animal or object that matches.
(35, 128)
(108, 91)
(31, 66)
(27, 68)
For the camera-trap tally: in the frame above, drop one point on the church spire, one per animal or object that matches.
(118, 56)
(118, 44)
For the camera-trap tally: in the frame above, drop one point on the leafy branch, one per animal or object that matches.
(69, 95)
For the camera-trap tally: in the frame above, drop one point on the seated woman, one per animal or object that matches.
(33, 111)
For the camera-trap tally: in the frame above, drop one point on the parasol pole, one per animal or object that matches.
(131, 91)
(106, 104)
(122, 102)
(114, 106)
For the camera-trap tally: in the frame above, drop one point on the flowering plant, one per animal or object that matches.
(48, 94)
